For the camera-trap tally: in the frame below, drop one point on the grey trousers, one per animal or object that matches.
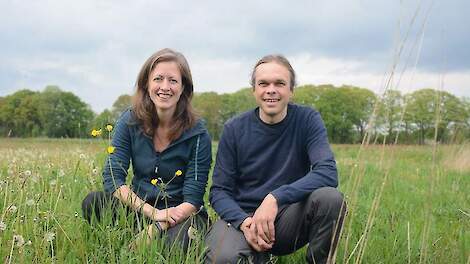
(314, 221)
(95, 204)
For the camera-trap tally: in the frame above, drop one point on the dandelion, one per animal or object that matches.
(18, 240)
(49, 236)
(109, 127)
(178, 173)
(192, 232)
(110, 149)
(12, 209)
(154, 182)
(3, 226)
(95, 133)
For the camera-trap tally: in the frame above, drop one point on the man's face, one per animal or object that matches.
(272, 91)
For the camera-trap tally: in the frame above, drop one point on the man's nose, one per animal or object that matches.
(271, 89)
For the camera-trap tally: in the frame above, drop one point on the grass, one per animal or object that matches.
(421, 201)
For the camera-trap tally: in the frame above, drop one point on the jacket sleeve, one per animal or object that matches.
(195, 180)
(323, 172)
(117, 163)
(224, 180)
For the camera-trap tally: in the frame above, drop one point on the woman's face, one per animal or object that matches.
(165, 86)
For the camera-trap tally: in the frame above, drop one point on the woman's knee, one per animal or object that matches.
(92, 204)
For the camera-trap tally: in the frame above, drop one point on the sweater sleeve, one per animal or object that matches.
(323, 170)
(195, 180)
(224, 181)
(117, 163)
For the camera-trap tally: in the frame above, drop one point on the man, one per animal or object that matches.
(274, 177)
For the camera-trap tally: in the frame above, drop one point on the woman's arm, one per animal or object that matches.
(167, 218)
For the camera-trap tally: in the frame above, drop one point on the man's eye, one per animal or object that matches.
(262, 84)
(280, 84)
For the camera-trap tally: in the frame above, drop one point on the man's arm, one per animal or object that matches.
(224, 180)
(323, 172)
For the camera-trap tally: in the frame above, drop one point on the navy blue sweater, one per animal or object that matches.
(289, 159)
(191, 153)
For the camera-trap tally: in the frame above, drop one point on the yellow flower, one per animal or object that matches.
(178, 173)
(154, 182)
(109, 127)
(110, 149)
(95, 132)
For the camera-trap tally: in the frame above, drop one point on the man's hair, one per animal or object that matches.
(280, 59)
(143, 107)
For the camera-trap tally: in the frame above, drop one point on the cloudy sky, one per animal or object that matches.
(95, 48)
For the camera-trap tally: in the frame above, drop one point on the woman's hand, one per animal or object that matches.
(172, 216)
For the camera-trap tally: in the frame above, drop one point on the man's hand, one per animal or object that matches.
(263, 219)
(249, 230)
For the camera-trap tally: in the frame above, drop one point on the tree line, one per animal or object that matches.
(349, 113)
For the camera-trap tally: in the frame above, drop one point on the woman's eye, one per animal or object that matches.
(173, 81)
(157, 78)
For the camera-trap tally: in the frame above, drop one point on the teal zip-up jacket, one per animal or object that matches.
(190, 153)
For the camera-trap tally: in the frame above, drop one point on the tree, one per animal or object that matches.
(19, 115)
(63, 114)
(209, 105)
(428, 107)
(120, 105)
(389, 113)
(101, 120)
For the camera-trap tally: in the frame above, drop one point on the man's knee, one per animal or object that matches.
(328, 200)
(225, 244)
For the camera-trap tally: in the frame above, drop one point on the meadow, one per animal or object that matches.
(407, 204)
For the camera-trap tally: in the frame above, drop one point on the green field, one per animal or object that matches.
(407, 204)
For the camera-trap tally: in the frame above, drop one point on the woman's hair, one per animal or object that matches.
(280, 59)
(144, 108)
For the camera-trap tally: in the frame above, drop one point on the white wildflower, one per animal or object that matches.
(94, 171)
(61, 173)
(49, 236)
(30, 202)
(29, 243)
(82, 156)
(27, 172)
(12, 209)
(192, 232)
(3, 226)
(53, 183)
(18, 240)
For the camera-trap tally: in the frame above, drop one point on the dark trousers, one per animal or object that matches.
(95, 205)
(317, 220)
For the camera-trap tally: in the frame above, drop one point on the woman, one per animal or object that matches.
(169, 147)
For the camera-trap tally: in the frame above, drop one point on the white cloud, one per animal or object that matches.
(96, 48)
